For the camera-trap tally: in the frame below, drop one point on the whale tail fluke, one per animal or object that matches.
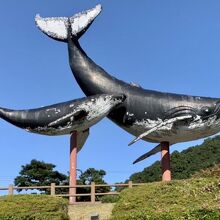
(57, 27)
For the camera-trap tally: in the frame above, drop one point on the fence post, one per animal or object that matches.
(10, 190)
(52, 189)
(130, 184)
(92, 192)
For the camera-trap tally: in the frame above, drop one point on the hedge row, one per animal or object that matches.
(193, 199)
(33, 207)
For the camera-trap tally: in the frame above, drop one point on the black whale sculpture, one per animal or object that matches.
(149, 115)
(64, 118)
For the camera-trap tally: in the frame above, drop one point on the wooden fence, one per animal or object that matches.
(93, 194)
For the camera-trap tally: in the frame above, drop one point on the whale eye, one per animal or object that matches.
(206, 110)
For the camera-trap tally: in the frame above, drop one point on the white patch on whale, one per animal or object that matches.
(177, 132)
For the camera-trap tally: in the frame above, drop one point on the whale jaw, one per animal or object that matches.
(57, 27)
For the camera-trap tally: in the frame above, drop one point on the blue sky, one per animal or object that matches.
(171, 46)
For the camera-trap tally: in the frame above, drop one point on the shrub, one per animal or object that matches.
(192, 199)
(109, 198)
(33, 207)
(213, 171)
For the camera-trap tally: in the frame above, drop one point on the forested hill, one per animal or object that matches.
(184, 164)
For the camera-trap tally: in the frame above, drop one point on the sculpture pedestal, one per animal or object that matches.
(165, 161)
(73, 164)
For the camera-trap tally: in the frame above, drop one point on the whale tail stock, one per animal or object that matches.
(2, 112)
(57, 27)
(5, 114)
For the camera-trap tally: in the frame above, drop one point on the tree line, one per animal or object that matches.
(183, 164)
(39, 173)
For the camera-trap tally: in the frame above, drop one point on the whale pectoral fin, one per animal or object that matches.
(81, 138)
(148, 154)
(77, 115)
(157, 127)
(57, 27)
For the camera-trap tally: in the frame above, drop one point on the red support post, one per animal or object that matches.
(165, 161)
(73, 164)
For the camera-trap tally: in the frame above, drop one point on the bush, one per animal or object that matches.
(109, 199)
(192, 199)
(213, 171)
(33, 207)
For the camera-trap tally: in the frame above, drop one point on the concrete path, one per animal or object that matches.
(85, 211)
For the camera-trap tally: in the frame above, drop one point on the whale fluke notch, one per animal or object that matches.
(148, 154)
(56, 27)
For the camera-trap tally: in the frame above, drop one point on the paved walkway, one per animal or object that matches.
(85, 211)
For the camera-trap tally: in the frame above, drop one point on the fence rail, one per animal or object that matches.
(93, 189)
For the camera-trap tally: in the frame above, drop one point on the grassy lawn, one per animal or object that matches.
(197, 198)
(33, 207)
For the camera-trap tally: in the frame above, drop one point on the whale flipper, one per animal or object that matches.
(148, 154)
(56, 27)
(164, 123)
(81, 138)
(76, 115)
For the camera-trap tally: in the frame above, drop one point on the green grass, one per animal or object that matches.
(109, 199)
(197, 198)
(33, 207)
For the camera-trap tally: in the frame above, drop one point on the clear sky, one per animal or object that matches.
(171, 46)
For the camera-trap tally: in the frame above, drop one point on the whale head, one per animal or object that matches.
(207, 118)
(203, 120)
(100, 106)
(210, 110)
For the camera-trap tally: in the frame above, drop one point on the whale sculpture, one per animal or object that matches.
(64, 118)
(149, 115)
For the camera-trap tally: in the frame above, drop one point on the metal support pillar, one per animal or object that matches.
(73, 164)
(165, 161)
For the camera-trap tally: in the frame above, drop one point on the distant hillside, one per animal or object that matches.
(192, 199)
(185, 163)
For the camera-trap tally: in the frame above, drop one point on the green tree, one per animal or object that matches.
(92, 175)
(39, 173)
(184, 164)
(89, 176)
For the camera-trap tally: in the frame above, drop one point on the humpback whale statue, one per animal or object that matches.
(149, 115)
(64, 118)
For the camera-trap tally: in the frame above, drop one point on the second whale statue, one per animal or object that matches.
(64, 118)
